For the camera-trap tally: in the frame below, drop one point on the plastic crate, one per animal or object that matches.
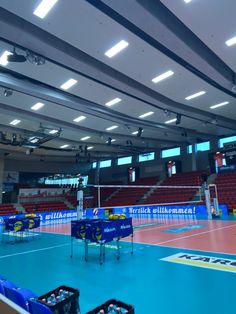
(69, 305)
(125, 307)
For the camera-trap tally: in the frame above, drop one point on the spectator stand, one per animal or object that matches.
(20, 228)
(101, 231)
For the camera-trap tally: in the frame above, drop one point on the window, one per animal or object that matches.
(124, 160)
(229, 139)
(170, 152)
(105, 163)
(146, 157)
(94, 165)
(200, 147)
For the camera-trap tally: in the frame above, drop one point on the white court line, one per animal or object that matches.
(33, 251)
(163, 226)
(195, 234)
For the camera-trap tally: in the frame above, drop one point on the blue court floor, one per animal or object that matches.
(152, 285)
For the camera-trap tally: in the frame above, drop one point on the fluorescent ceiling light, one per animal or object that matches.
(146, 114)
(37, 106)
(195, 95)
(162, 76)
(15, 122)
(3, 58)
(64, 146)
(44, 7)
(85, 138)
(80, 118)
(112, 127)
(33, 139)
(112, 140)
(220, 105)
(112, 102)
(53, 131)
(231, 41)
(170, 121)
(90, 147)
(68, 84)
(116, 49)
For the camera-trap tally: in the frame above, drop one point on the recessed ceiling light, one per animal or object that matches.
(37, 106)
(162, 76)
(68, 84)
(112, 140)
(219, 105)
(112, 127)
(44, 7)
(187, 1)
(116, 49)
(90, 147)
(15, 122)
(146, 114)
(135, 132)
(170, 121)
(80, 118)
(195, 95)
(231, 41)
(85, 138)
(3, 58)
(64, 146)
(112, 102)
(53, 131)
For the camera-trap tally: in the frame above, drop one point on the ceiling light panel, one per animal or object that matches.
(187, 1)
(146, 114)
(53, 131)
(68, 84)
(15, 122)
(112, 140)
(44, 7)
(162, 76)
(220, 105)
(231, 41)
(3, 58)
(116, 49)
(112, 127)
(80, 118)
(37, 106)
(85, 138)
(113, 102)
(64, 146)
(195, 95)
(135, 132)
(170, 121)
(90, 147)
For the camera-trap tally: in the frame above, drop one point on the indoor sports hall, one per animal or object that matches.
(117, 156)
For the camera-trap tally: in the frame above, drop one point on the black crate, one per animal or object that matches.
(70, 305)
(122, 305)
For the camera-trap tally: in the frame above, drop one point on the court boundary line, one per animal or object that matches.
(34, 251)
(196, 234)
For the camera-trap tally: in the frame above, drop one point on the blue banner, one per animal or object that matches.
(168, 209)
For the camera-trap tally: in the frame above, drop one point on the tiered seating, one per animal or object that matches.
(44, 206)
(130, 196)
(7, 209)
(226, 187)
(174, 195)
(88, 201)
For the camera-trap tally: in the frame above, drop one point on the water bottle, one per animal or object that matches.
(58, 298)
(61, 294)
(53, 299)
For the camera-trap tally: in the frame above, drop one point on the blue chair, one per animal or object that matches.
(38, 308)
(15, 296)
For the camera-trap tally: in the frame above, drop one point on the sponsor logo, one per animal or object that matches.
(109, 229)
(125, 227)
(216, 263)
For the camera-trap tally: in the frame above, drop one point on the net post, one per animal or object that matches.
(208, 201)
(80, 199)
(99, 197)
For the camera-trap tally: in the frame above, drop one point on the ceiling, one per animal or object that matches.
(73, 39)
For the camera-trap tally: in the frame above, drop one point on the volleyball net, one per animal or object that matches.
(126, 196)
